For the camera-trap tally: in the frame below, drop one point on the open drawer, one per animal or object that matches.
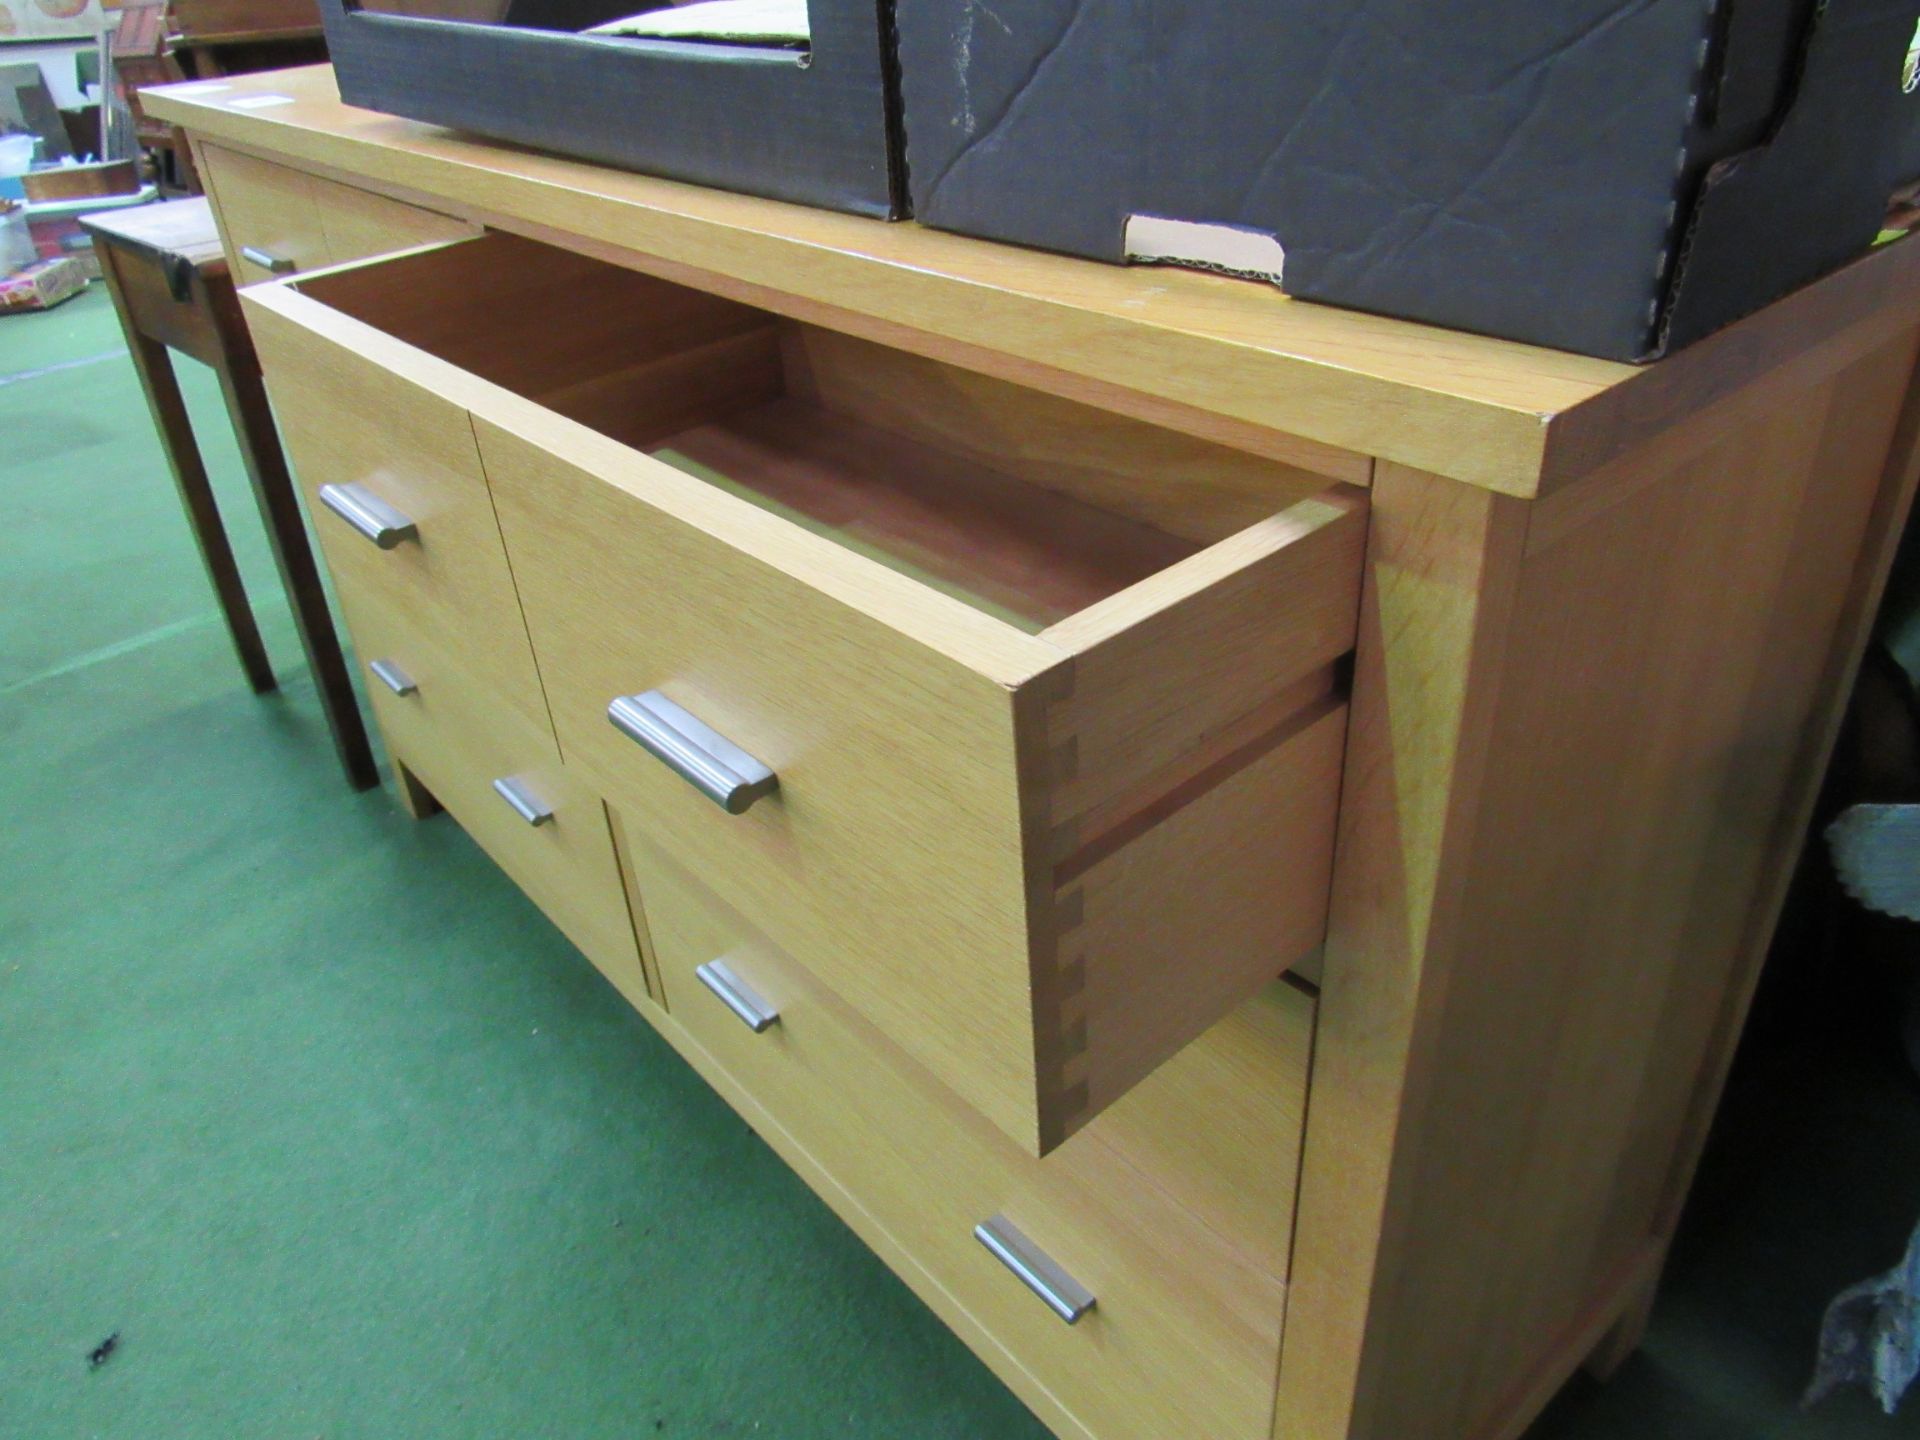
(1017, 722)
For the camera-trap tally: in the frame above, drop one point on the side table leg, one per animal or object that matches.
(273, 488)
(157, 381)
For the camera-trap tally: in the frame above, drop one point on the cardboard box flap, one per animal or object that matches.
(1813, 193)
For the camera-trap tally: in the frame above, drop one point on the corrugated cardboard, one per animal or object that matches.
(817, 126)
(1608, 176)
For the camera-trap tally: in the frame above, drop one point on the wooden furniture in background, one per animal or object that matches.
(173, 291)
(1568, 638)
(164, 41)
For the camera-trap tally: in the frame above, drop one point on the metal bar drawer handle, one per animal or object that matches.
(272, 264)
(1065, 1296)
(738, 996)
(393, 677)
(369, 514)
(708, 761)
(527, 805)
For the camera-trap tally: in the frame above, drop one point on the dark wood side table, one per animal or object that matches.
(171, 286)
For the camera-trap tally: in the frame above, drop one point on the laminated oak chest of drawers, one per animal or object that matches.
(1230, 841)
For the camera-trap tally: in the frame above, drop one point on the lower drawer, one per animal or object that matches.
(500, 780)
(1177, 1252)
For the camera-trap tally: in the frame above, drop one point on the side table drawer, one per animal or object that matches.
(1183, 1333)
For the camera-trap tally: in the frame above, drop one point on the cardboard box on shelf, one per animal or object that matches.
(791, 101)
(1613, 179)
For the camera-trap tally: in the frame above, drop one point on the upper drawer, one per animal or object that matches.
(279, 221)
(392, 478)
(1023, 717)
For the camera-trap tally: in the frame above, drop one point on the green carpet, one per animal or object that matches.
(309, 1106)
(306, 1101)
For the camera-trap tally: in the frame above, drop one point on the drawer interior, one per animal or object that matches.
(1014, 502)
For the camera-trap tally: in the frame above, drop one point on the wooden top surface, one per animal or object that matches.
(173, 227)
(1511, 417)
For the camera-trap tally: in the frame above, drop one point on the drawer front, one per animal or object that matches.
(280, 221)
(358, 433)
(267, 215)
(897, 824)
(450, 733)
(359, 223)
(1091, 842)
(907, 856)
(1184, 1333)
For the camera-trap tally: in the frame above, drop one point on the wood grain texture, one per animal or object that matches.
(899, 722)
(359, 223)
(1204, 354)
(1184, 1334)
(308, 220)
(414, 449)
(1582, 741)
(529, 318)
(1029, 555)
(636, 913)
(1252, 852)
(898, 797)
(1802, 655)
(1442, 559)
(1172, 481)
(1219, 358)
(455, 738)
(889, 709)
(1162, 666)
(183, 228)
(263, 206)
(1539, 921)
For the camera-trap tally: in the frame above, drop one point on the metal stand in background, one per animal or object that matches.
(117, 139)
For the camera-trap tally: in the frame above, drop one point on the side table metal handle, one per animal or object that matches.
(1063, 1294)
(701, 756)
(367, 513)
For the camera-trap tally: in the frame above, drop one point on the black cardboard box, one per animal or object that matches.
(1617, 177)
(817, 125)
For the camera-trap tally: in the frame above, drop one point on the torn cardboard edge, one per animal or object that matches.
(738, 22)
(1205, 245)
